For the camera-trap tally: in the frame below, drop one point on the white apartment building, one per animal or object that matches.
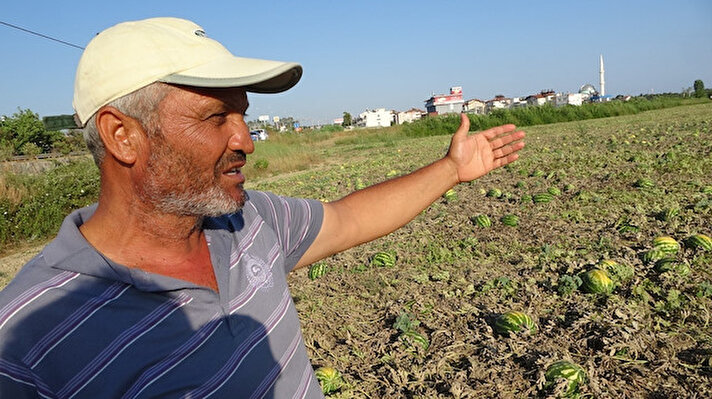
(568, 99)
(375, 118)
(411, 115)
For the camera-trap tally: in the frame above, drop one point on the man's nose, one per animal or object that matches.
(240, 139)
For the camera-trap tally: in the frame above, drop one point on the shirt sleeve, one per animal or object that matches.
(296, 222)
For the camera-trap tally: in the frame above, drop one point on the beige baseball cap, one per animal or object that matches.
(131, 55)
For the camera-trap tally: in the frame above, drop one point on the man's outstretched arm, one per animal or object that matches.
(375, 211)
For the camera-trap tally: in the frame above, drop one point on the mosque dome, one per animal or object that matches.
(588, 89)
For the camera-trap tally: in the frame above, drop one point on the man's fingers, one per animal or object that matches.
(506, 150)
(504, 140)
(496, 131)
(499, 162)
(464, 126)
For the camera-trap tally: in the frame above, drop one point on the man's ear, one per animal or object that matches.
(122, 135)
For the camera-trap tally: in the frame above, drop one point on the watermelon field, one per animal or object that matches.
(424, 324)
(584, 269)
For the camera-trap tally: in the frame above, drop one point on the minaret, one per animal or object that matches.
(603, 80)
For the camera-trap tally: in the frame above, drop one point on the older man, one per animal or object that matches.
(174, 284)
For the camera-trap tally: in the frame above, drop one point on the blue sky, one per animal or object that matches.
(385, 54)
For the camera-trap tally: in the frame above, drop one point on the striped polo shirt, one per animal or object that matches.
(74, 324)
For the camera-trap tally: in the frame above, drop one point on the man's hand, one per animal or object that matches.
(380, 209)
(477, 154)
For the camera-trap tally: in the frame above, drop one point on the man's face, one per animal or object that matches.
(195, 156)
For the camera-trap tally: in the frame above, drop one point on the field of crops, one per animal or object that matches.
(422, 322)
(419, 313)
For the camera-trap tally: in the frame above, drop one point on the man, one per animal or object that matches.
(174, 284)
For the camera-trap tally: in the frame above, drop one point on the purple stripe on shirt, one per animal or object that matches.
(286, 222)
(245, 243)
(32, 294)
(301, 392)
(305, 229)
(232, 364)
(17, 373)
(276, 370)
(246, 295)
(121, 343)
(66, 327)
(174, 359)
(273, 211)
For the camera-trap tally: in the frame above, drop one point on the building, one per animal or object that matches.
(544, 97)
(474, 106)
(498, 102)
(568, 99)
(375, 118)
(446, 103)
(411, 115)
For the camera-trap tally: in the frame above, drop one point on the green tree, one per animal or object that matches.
(25, 126)
(347, 119)
(699, 87)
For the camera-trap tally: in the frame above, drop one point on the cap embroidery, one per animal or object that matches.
(199, 32)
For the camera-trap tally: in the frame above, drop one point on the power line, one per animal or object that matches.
(41, 35)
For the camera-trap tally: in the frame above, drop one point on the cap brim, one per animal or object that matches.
(255, 75)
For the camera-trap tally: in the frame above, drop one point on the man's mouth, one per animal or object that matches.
(233, 171)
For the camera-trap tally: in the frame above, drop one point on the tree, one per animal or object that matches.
(699, 87)
(25, 126)
(347, 119)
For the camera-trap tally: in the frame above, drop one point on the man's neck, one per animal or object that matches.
(152, 241)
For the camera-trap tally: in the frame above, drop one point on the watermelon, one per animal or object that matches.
(482, 221)
(668, 214)
(510, 220)
(707, 190)
(416, 338)
(542, 198)
(672, 265)
(526, 198)
(450, 195)
(383, 259)
(537, 173)
(330, 379)
(317, 270)
(569, 188)
(654, 255)
(666, 244)
(618, 272)
(570, 372)
(597, 281)
(699, 241)
(514, 322)
(495, 193)
(553, 191)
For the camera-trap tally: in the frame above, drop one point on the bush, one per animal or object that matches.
(30, 149)
(51, 197)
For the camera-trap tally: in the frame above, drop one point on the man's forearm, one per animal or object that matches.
(380, 209)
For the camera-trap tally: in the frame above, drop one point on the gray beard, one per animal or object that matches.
(211, 202)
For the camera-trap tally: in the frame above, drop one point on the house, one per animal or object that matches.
(411, 115)
(498, 102)
(518, 102)
(446, 103)
(375, 118)
(474, 106)
(568, 99)
(544, 97)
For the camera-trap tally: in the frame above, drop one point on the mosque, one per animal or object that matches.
(589, 91)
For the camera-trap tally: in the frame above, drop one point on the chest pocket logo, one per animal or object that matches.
(259, 274)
